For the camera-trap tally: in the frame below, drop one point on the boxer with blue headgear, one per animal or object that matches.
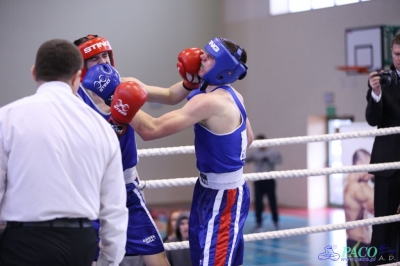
(229, 62)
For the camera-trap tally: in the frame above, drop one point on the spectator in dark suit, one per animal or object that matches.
(383, 111)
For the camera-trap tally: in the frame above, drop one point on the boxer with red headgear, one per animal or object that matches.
(221, 198)
(97, 52)
(94, 48)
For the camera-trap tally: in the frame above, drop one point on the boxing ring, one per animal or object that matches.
(186, 181)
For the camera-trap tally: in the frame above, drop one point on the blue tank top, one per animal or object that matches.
(127, 142)
(194, 93)
(221, 153)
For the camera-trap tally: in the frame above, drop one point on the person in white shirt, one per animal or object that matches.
(60, 168)
(265, 159)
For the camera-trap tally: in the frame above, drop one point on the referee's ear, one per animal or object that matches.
(33, 73)
(76, 81)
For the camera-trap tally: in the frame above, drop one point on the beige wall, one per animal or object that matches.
(292, 60)
(146, 37)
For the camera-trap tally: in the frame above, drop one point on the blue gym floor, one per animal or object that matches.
(296, 250)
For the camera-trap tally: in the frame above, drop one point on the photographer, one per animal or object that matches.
(383, 111)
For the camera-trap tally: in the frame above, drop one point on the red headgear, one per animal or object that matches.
(93, 46)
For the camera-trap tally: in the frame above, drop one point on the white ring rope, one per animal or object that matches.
(186, 181)
(279, 141)
(284, 174)
(301, 231)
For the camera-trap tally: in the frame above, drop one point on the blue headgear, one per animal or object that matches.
(227, 68)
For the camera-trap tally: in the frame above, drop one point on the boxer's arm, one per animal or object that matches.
(194, 111)
(172, 95)
(250, 135)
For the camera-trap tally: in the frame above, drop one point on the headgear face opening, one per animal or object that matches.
(227, 68)
(93, 46)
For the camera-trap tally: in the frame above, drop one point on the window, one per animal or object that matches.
(278, 7)
(316, 4)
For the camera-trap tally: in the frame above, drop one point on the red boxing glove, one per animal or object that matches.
(188, 66)
(129, 97)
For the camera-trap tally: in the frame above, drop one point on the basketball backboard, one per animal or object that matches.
(369, 47)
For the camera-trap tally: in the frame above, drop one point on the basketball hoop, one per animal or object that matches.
(354, 69)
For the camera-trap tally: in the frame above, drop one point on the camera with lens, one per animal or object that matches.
(388, 77)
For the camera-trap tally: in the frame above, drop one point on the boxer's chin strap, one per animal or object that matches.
(203, 85)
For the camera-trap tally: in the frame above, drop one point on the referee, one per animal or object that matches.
(60, 168)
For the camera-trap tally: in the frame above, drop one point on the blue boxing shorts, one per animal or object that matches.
(143, 237)
(216, 222)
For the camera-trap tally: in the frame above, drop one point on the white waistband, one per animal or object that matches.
(229, 180)
(130, 176)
